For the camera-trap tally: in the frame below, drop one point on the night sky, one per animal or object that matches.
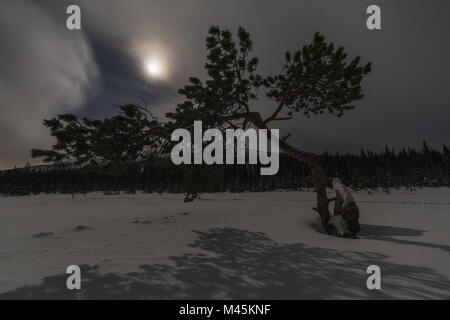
(46, 69)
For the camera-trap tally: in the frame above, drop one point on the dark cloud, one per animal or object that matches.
(406, 96)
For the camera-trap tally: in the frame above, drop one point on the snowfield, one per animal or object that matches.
(231, 246)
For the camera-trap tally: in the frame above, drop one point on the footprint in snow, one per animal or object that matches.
(137, 221)
(43, 235)
(82, 228)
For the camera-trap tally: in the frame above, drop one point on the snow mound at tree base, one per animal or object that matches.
(338, 225)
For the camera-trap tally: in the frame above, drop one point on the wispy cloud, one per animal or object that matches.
(45, 69)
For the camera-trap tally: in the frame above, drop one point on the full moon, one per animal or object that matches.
(153, 68)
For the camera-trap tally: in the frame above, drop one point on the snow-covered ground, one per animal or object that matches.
(249, 245)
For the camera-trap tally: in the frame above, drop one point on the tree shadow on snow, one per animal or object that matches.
(239, 264)
(376, 231)
(388, 233)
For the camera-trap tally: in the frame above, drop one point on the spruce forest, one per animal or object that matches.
(408, 168)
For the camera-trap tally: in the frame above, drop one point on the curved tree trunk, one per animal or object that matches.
(319, 178)
(318, 174)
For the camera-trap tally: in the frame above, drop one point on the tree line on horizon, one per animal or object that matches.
(408, 168)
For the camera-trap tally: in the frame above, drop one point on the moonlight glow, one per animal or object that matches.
(154, 68)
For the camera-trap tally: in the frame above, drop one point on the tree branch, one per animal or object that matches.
(289, 117)
(277, 111)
